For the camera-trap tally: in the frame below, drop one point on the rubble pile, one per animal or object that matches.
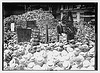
(42, 19)
(52, 56)
(77, 54)
(85, 31)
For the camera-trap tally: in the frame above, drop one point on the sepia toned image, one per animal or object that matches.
(49, 36)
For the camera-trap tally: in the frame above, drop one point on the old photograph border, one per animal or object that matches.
(96, 33)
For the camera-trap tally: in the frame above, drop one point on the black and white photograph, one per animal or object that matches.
(50, 36)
